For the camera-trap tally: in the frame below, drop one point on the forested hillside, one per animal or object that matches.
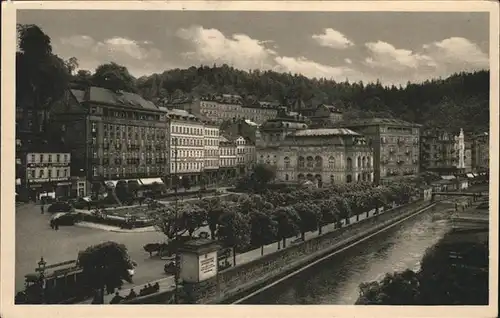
(461, 100)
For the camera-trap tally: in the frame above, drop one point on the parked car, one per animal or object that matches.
(60, 207)
(170, 268)
(62, 218)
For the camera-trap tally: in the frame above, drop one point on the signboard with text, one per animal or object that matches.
(207, 266)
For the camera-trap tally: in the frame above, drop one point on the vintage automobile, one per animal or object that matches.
(61, 218)
(60, 206)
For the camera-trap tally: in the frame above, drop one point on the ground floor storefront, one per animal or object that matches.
(48, 191)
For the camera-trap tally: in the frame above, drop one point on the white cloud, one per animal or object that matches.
(458, 50)
(310, 68)
(239, 50)
(385, 55)
(140, 57)
(244, 52)
(333, 39)
(79, 41)
(348, 61)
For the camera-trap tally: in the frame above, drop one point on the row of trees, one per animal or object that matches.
(249, 221)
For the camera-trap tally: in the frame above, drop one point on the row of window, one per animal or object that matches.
(128, 114)
(123, 171)
(393, 140)
(227, 152)
(227, 162)
(187, 142)
(187, 153)
(183, 166)
(365, 177)
(211, 163)
(188, 130)
(40, 173)
(48, 158)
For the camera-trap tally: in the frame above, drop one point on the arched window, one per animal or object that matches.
(310, 162)
(287, 163)
(359, 177)
(318, 162)
(368, 162)
(301, 177)
(349, 178)
(301, 162)
(364, 162)
(349, 163)
(286, 177)
(359, 162)
(369, 177)
(332, 179)
(331, 162)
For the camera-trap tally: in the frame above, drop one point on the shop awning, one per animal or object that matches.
(448, 177)
(111, 183)
(470, 175)
(149, 181)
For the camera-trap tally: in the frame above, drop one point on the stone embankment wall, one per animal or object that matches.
(230, 283)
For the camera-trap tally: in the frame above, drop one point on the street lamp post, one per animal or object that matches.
(41, 268)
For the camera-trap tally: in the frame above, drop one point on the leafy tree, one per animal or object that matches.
(234, 231)
(105, 265)
(194, 217)
(114, 77)
(166, 220)
(287, 221)
(344, 208)
(41, 76)
(263, 229)
(310, 216)
(263, 174)
(329, 212)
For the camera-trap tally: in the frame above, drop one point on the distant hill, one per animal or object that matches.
(459, 101)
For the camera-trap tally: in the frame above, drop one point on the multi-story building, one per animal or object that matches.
(227, 108)
(438, 151)
(211, 151)
(47, 174)
(468, 156)
(113, 135)
(395, 145)
(245, 154)
(459, 148)
(322, 115)
(322, 155)
(187, 145)
(228, 159)
(243, 127)
(480, 152)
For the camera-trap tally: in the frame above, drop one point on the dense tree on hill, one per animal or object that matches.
(460, 101)
(115, 77)
(41, 76)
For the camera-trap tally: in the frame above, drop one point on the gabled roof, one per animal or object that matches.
(79, 94)
(324, 132)
(122, 99)
(378, 121)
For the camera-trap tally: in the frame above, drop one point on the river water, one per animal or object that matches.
(335, 281)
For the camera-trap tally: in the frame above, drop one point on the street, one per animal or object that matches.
(35, 238)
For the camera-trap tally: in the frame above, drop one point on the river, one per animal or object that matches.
(335, 281)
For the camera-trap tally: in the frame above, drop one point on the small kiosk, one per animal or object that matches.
(198, 260)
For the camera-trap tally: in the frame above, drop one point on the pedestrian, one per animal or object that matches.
(116, 299)
(42, 208)
(56, 225)
(52, 224)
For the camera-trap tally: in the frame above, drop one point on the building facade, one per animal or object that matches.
(113, 135)
(438, 151)
(211, 152)
(228, 159)
(48, 174)
(480, 152)
(395, 144)
(459, 148)
(187, 145)
(324, 156)
(220, 108)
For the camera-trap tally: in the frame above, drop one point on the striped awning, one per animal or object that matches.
(448, 177)
(148, 181)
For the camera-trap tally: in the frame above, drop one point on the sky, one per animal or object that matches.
(393, 47)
